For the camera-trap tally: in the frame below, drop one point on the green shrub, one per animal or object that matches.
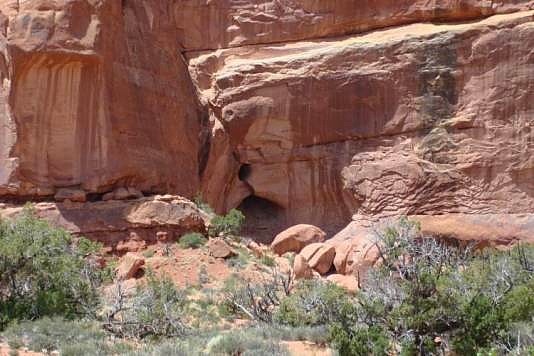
(244, 342)
(228, 225)
(192, 240)
(360, 341)
(268, 261)
(44, 271)
(156, 309)
(70, 338)
(427, 297)
(312, 303)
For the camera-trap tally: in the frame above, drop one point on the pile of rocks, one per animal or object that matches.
(339, 262)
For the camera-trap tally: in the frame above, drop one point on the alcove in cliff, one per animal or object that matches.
(264, 219)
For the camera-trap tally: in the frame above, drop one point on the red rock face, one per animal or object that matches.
(326, 110)
(233, 23)
(95, 95)
(419, 119)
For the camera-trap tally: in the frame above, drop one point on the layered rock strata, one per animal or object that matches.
(95, 95)
(289, 105)
(422, 119)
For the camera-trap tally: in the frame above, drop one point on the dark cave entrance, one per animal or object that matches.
(264, 219)
(244, 172)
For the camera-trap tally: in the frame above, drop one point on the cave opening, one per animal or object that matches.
(263, 219)
(244, 172)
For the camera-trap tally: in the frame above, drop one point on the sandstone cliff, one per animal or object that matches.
(298, 111)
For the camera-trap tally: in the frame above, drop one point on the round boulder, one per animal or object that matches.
(296, 238)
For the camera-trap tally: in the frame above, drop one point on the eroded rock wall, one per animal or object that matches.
(418, 119)
(214, 24)
(96, 95)
(317, 111)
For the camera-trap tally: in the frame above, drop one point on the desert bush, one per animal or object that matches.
(267, 261)
(493, 293)
(427, 297)
(68, 337)
(156, 309)
(44, 271)
(244, 342)
(257, 300)
(227, 225)
(313, 302)
(192, 240)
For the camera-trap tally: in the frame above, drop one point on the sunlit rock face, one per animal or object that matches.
(421, 119)
(296, 111)
(95, 94)
(214, 24)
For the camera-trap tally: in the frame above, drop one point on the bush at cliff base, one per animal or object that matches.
(44, 271)
(426, 297)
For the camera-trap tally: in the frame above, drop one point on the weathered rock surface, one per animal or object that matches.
(114, 222)
(129, 266)
(74, 195)
(293, 103)
(96, 95)
(232, 23)
(301, 268)
(296, 238)
(422, 119)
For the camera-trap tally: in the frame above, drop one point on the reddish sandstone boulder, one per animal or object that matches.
(296, 238)
(343, 251)
(350, 283)
(309, 251)
(73, 195)
(320, 256)
(322, 260)
(220, 249)
(301, 268)
(129, 265)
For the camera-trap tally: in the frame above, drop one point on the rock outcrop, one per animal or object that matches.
(122, 225)
(296, 238)
(422, 119)
(95, 96)
(323, 112)
(320, 256)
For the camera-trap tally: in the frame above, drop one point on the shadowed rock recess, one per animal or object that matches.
(296, 111)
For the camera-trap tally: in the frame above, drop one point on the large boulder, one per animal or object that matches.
(320, 256)
(348, 282)
(296, 238)
(301, 268)
(129, 266)
(218, 248)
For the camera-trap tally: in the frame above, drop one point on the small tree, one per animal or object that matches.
(45, 271)
(227, 225)
(257, 300)
(157, 308)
